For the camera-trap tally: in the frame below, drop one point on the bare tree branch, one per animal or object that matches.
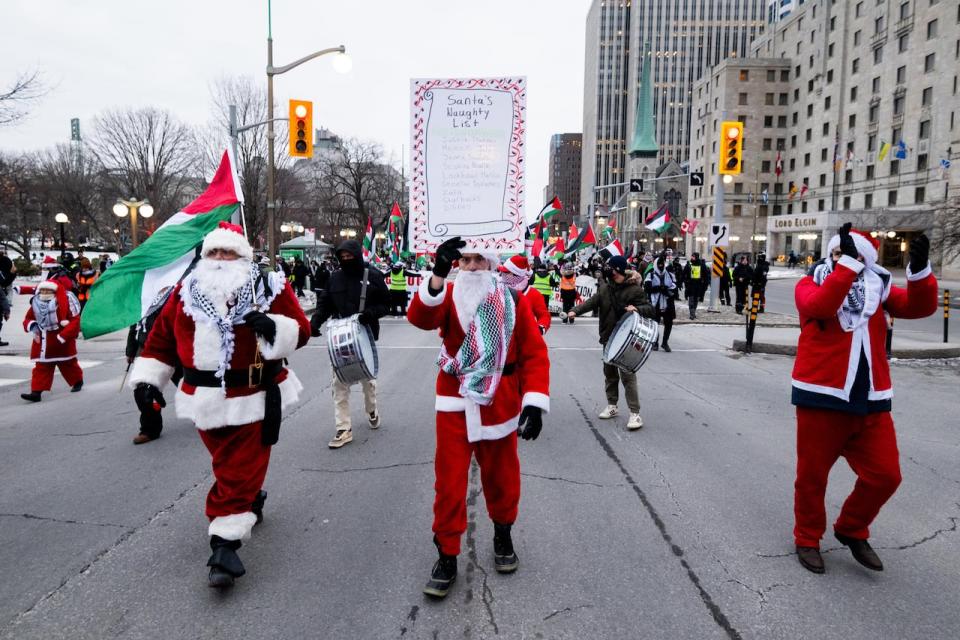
(16, 99)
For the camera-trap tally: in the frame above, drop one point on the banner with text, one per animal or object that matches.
(467, 140)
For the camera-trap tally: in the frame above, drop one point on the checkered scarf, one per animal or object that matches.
(244, 303)
(479, 362)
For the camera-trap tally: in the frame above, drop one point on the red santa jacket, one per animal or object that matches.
(56, 344)
(528, 384)
(539, 307)
(827, 356)
(177, 336)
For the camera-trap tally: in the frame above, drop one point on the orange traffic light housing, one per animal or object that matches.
(731, 148)
(301, 129)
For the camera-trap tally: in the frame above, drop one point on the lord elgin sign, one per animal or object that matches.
(789, 224)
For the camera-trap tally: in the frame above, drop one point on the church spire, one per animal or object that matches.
(644, 143)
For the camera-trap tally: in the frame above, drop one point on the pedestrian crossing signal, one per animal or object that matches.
(731, 148)
(301, 127)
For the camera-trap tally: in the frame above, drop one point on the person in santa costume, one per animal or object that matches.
(54, 320)
(494, 379)
(842, 387)
(230, 327)
(516, 273)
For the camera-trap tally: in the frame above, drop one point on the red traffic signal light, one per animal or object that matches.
(301, 129)
(731, 148)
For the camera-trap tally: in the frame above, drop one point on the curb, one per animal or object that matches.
(933, 353)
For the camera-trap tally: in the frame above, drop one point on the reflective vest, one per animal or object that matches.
(398, 281)
(83, 285)
(694, 272)
(542, 284)
(568, 284)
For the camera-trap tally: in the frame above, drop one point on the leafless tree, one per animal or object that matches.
(16, 99)
(146, 153)
(24, 211)
(78, 185)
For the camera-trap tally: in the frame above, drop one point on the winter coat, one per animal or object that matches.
(662, 289)
(612, 300)
(696, 286)
(341, 299)
(56, 345)
(319, 277)
(300, 273)
(742, 275)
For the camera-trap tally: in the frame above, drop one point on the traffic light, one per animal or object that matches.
(301, 129)
(731, 148)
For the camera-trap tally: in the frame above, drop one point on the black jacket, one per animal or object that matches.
(742, 275)
(612, 300)
(341, 298)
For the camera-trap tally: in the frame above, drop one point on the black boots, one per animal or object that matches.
(33, 396)
(443, 576)
(505, 560)
(862, 551)
(257, 507)
(666, 347)
(811, 559)
(76, 387)
(224, 563)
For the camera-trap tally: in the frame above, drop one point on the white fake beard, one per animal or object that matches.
(469, 290)
(219, 280)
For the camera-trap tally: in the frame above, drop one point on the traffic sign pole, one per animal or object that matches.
(718, 218)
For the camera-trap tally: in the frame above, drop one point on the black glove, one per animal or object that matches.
(146, 395)
(919, 253)
(365, 318)
(531, 422)
(847, 245)
(446, 254)
(262, 325)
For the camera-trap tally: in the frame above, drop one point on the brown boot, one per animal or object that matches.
(811, 559)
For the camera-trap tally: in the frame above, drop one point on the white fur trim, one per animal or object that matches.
(150, 371)
(226, 239)
(851, 263)
(209, 409)
(424, 292)
(475, 429)
(497, 431)
(913, 277)
(64, 323)
(206, 344)
(236, 526)
(449, 403)
(510, 266)
(285, 342)
(863, 244)
(32, 325)
(536, 399)
(60, 339)
(48, 284)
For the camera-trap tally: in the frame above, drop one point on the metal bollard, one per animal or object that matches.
(752, 322)
(946, 315)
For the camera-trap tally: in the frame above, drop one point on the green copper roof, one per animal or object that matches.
(644, 141)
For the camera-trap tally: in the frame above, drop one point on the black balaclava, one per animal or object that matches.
(355, 266)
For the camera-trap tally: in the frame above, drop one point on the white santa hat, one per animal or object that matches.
(866, 246)
(227, 236)
(518, 265)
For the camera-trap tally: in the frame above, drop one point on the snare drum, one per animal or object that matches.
(353, 353)
(630, 343)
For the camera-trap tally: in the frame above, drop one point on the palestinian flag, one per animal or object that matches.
(557, 251)
(122, 295)
(368, 240)
(659, 220)
(573, 234)
(393, 233)
(585, 239)
(610, 230)
(550, 209)
(541, 235)
(614, 248)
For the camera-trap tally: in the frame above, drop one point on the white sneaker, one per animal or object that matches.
(374, 419)
(609, 412)
(343, 437)
(635, 421)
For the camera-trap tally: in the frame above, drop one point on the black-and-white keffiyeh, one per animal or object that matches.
(245, 299)
(864, 297)
(45, 311)
(657, 279)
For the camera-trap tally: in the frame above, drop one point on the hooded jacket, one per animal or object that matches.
(341, 298)
(612, 300)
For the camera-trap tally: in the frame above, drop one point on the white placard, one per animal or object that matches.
(467, 148)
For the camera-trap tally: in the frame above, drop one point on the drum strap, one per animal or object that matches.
(363, 289)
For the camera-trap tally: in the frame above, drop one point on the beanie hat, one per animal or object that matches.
(867, 247)
(618, 264)
(227, 236)
(518, 265)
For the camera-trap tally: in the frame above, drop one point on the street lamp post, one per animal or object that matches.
(133, 207)
(62, 220)
(341, 64)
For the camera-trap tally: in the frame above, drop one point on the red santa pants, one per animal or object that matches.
(42, 378)
(499, 474)
(869, 444)
(239, 467)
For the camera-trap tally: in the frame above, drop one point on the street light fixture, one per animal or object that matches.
(62, 219)
(133, 207)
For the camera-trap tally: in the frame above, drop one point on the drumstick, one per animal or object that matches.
(124, 377)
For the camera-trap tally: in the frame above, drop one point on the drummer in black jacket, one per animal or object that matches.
(341, 299)
(618, 295)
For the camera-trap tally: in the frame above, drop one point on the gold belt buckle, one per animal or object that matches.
(255, 370)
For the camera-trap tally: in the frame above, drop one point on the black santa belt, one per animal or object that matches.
(263, 377)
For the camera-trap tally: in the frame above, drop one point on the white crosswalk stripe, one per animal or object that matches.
(21, 365)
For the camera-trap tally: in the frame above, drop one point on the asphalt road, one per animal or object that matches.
(680, 530)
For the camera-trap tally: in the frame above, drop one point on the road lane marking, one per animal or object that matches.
(23, 361)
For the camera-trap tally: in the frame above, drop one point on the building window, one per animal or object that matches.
(793, 142)
(856, 38)
(848, 177)
(803, 207)
(829, 76)
(826, 103)
(878, 55)
(868, 201)
(826, 128)
(919, 194)
(771, 75)
(859, 10)
(809, 110)
(796, 95)
(782, 122)
(929, 63)
(765, 166)
(767, 144)
(767, 121)
(742, 99)
(875, 85)
(768, 99)
(878, 25)
(856, 65)
(927, 97)
(809, 135)
(784, 75)
(870, 170)
(833, 23)
(904, 10)
(871, 143)
(830, 46)
(783, 99)
(894, 167)
(924, 129)
(901, 75)
(796, 72)
(931, 29)
(806, 159)
(793, 164)
(903, 42)
(922, 162)
(737, 210)
(846, 203)
(898, 105)
(892, 198)
(853, 94)
(823, 155)
(794, 118)
(852, 121)
(820, 204)
(874, 111)
(744, 75)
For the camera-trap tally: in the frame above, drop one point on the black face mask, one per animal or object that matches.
(353, 267)
(607, 273)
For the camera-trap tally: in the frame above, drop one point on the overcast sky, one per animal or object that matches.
(98, 54)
